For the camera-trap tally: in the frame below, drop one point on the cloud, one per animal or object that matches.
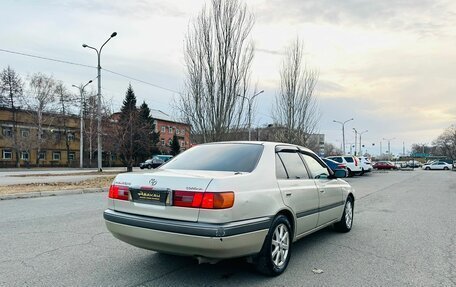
(424, 17)
(128, 9)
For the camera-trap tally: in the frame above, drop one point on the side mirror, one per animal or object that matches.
(340, 173)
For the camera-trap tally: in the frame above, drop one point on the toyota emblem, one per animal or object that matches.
(153, 181)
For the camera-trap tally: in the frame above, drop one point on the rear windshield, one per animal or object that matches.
(218, 157)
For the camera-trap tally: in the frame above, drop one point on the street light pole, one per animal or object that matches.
(249, 102)
(343, 132)
(360, 146)
(356, 137)
(389, 145)
(100, 150)
(81, 138)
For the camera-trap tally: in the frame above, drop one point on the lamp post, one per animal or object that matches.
(343, 132)
(99, 99)
(81, 140)
(356, 137)
(360, 146)
(389, 145)
(249, 101)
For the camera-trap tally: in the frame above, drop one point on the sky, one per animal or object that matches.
(389, 65)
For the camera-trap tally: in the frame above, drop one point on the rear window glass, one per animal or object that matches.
(294, 165)
(218, 157)
(348, 159)
(338, 159)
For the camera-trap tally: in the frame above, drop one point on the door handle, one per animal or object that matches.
(322, 191)
(288, 194)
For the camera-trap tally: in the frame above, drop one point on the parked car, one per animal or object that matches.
(414, 163)
(155, 162)
(366, 165)
(438, 165)
(384, 165)
(352, 163)
(334, 165)
(237, 199)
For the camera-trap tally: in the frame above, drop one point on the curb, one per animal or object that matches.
(52, 193)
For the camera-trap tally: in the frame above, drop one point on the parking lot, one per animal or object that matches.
(403, 235)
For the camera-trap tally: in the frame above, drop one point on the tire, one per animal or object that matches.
(362, 172)
(268, 263)
(149, 166)
(141, 167)
(427, 168)
(350, 173)
(346, 222)
(445, 168)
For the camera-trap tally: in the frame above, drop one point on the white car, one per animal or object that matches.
(366, 165)
(352, 163)
(437, 165)
(231, 199)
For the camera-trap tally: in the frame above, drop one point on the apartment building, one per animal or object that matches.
(20, 145)
(167, 127)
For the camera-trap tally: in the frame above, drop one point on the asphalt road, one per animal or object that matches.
(404, 234)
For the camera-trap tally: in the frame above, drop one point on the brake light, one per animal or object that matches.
(206, 200)
(356, 161)
(341, 165)
(119, 192)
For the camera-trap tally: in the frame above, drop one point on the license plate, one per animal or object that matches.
(159, 197)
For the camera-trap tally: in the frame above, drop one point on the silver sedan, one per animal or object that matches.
(231, 199)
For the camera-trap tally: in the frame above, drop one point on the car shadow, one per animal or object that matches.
(226, 272)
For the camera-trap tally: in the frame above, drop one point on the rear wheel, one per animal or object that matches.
(275, 254)
(427, 168)
(445, 168)
(149, 166)
(346, 222)
(350, 173)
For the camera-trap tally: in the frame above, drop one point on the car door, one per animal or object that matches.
(329, 190)
(299, 192)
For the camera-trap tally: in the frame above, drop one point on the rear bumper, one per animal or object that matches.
(229, 240)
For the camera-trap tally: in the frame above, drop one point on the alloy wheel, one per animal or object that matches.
(348, 214)
(280, 245)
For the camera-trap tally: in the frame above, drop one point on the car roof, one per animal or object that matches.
(264, 143)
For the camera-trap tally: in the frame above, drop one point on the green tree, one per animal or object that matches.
(145, 130)
(127, 130)
(175, 146)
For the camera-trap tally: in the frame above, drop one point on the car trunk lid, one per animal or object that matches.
(151, 194)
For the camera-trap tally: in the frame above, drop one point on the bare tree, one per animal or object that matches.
(39, 100)
(90, 130)
(446, 143)
(296, 108)
(11, 88)
(218, 57)
(65, 99)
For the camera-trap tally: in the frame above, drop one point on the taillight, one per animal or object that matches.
(341, 165)
(356, 161)
(119, 192)
(207, 200)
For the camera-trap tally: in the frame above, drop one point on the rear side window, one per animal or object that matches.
(281, 173)
(348, 158)
(294, 165)
(218, 157)
(338, 159)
